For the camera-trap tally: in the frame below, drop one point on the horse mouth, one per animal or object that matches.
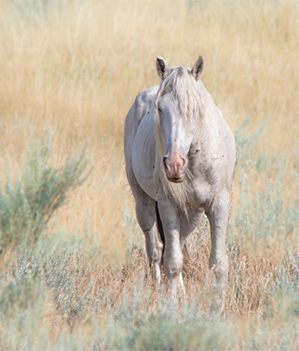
(176, 180)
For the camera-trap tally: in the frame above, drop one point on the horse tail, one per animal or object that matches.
(160, 230)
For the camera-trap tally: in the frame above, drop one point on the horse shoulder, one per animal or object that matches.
(214, 162)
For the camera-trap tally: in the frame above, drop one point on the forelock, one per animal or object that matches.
(181, 83)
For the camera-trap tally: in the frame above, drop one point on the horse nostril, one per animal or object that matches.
(164, 161)
(183, 163)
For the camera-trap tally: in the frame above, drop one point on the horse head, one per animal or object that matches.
(177, 110)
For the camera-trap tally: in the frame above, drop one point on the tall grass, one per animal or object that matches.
(82, 281)
(77, 66)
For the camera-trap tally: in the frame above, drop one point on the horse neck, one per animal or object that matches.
(204, 143)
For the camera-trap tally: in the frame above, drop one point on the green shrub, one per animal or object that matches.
(27, 206)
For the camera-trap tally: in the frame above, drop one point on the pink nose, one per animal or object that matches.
(174, 166)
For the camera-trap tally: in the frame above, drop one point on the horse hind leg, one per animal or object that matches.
(188, 224)
(148, 221)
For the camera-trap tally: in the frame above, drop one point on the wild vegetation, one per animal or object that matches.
(73, 269)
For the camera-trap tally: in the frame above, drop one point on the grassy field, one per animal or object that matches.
(73, 270)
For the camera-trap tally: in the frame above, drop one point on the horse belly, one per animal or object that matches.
(143, 156)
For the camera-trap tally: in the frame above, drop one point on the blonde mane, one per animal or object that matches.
(181, 83)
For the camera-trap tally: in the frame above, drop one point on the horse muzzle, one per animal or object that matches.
(175, 166)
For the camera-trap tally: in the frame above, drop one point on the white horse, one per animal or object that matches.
(180, 156)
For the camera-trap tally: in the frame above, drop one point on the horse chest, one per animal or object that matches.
(199, 194)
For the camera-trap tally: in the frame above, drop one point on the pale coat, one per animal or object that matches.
(180, 157)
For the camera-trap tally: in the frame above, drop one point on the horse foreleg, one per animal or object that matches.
(173, 257)
(218, 217)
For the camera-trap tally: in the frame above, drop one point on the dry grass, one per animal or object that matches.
(76, 67)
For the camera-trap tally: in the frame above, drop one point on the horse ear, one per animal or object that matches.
(198, 68)
(162, 69)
